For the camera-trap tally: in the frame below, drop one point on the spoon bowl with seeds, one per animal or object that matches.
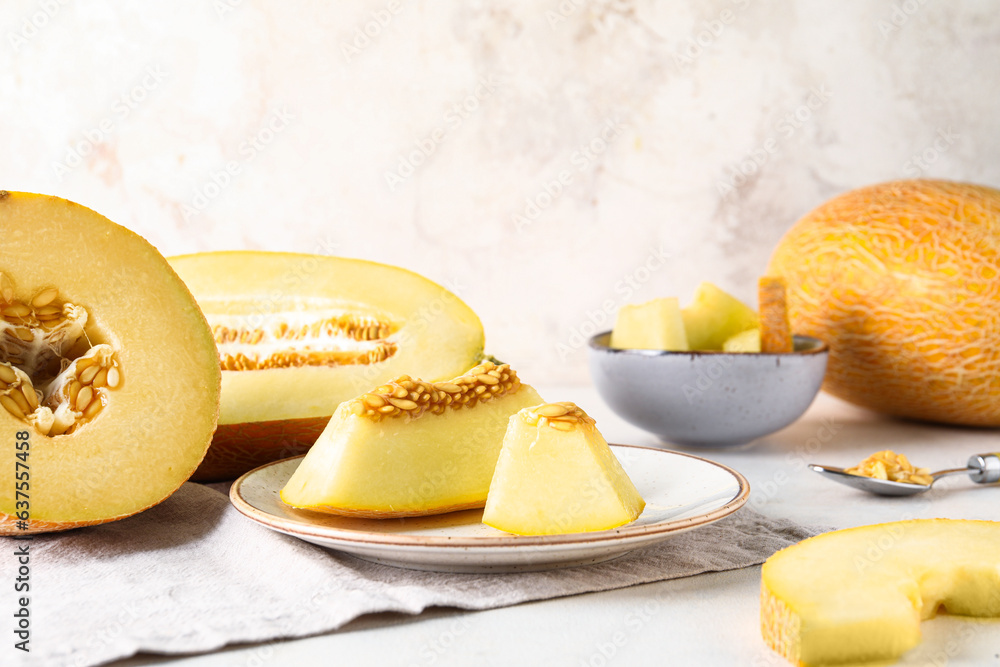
(886, 473)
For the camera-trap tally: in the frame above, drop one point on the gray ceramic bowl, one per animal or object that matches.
(708, 399)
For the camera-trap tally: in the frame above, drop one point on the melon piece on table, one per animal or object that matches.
(298, 334)
(859, 594)
(411, 448)
(557, 474)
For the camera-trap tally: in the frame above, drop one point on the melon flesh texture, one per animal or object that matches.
(654, 325)
(746, 341)
(902, 281)
(553, 479)
(364, 322)
(715, 316)
(859, 594)
(157, 423)
(402, 465)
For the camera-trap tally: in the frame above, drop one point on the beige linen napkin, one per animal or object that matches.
(192, 574)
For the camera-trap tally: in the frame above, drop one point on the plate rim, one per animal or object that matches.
(368, 538)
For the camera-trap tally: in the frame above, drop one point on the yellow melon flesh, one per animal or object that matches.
(715, 316)
(557, 474)
(299, 334)
(860, 594)
(411, 448)
(902, 281)
(654, 325)
(745, 341)
(152, 379)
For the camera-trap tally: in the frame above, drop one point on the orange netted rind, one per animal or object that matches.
(901, 280)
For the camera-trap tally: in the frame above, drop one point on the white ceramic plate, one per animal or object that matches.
(681, 492)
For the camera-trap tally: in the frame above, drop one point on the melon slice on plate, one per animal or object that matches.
(411, 448)
(109, 378)
(299, 334)
(714, 316)
(654, 325)
(557, 474)
(859, 594)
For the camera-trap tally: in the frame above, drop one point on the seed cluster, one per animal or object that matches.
(406, 396)
(17, 396)
(79, 393)
(35, 333)
(305, 357)
(35, 336)
(314, 344)
(343, 326)
(894, 467)
(564, 416)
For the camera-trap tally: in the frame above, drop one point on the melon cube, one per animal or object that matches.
(654, 325)
(715, 316)
(745, 341)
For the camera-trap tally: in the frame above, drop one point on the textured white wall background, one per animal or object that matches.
(645, 145)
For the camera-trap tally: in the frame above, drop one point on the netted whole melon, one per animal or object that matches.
(902, 280)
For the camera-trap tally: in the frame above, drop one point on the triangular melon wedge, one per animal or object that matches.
(557, 474)
(411, 448)
(859, 594)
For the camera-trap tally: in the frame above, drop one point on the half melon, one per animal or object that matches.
(109, 379)
(411, 448)
(298, 334)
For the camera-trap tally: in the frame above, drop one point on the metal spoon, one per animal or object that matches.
(981, 469)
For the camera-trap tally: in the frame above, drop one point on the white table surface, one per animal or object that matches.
(711, 619)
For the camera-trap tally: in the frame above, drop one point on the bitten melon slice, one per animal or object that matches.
(298, 334)
(557, 474)
(109, 377)
(859, 594)
(714, 316)
(411, 448)
(654, 325)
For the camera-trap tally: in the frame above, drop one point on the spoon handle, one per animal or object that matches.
(984, 468)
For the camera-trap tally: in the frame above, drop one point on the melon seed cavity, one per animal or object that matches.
(293, 341)
(51, 377)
